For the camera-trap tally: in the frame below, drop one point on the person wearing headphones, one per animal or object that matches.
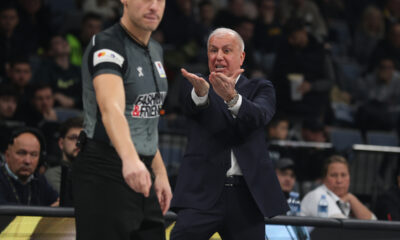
(19, 185)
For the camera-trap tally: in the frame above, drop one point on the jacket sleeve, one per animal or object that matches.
(255, 113)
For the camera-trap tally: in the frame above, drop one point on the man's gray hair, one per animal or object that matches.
(222, 31)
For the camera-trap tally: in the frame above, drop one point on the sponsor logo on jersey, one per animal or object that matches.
(160, 69)
(140, 71)
(107, 55)
(148, 105)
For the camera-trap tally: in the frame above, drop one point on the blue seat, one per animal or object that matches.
(64, 114)
(343, 139)
(382, 138)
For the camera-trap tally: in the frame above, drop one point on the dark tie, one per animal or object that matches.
(341, 206)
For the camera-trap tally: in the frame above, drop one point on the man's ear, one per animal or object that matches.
(60, 143)
(7, 154)
(242, 57)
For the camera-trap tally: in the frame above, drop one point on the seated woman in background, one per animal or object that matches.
(335, 187)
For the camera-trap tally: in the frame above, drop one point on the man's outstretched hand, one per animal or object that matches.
(200, 85)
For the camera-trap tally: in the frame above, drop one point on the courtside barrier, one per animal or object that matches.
(8, 210)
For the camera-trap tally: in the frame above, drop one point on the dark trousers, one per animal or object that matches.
(105, 206)
(235, 216)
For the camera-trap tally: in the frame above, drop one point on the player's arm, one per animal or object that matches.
(161, 183)
(110, 97)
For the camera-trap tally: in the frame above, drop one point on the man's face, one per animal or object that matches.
(68, 144)
(144, 14)
(338, 179)
(237, 7)
(267, 6)
(43, 100)
(280, 131)
(207, 12)
(90, 28)
(21, 74)
(8, 105)
(298, 39)
(224, 54)
(31, 6)
(386, 71)
(8, 20)
(22, 156)
(313, 136)
(286, 178)
(394, 36)
(246, 31)
(59, 46)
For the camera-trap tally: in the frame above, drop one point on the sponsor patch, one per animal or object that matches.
(148, 105)
(160, 69)
(107, 55)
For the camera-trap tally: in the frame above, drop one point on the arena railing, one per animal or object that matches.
(9, 210)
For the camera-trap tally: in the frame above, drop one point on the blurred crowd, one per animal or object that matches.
(333, 63)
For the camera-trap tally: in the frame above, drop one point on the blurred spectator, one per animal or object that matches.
(229, 16)
(389, 47)
(391, 11)
(341, 203)
(8, 107)
(284, 169)
(207, 13)
(379, 97)
(59, 176)
(91, 24)
(303, 74)
(278, 128)
(182, 35)
(309, 12)
(388, 204)
(19, 184)
(12, 42)
(245, 28)
(8, 102)
(20, 75)
(43, 106)
(313, 130)
(60, 74)
(108, 9)
(339, 30)
(267, 34)
(370, 31)
(35, 23)
(268, 29)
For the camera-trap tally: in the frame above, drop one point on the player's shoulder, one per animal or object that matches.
(111, 38)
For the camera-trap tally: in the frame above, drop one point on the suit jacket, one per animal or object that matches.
(213, 133)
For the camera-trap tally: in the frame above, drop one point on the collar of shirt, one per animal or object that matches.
(237, 79)
(15, 177)
(343, 206)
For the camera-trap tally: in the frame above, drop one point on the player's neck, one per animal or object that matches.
(139, 35)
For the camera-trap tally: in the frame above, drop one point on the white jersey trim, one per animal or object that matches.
(107, 55)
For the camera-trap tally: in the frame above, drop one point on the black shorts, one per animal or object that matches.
(105, 206)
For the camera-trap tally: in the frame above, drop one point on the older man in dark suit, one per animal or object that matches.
(226, 183)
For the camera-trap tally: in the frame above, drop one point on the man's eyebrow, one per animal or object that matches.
(225, 46)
